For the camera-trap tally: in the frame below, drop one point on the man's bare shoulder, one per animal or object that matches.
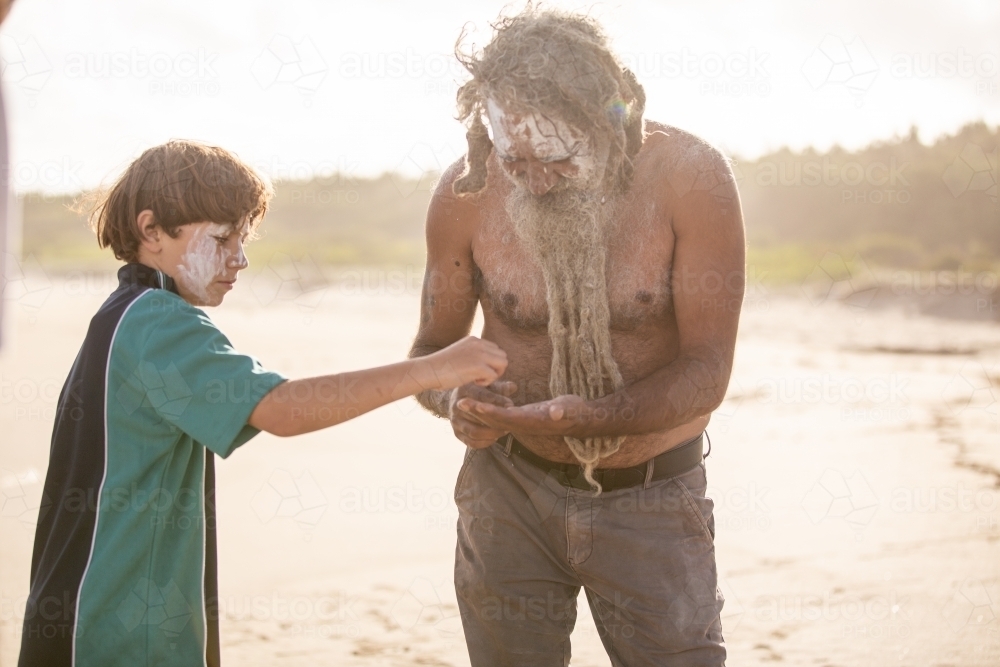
(448, 211)
(686, 161)
(443, 190)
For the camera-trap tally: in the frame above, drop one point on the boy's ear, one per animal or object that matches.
(150, 233)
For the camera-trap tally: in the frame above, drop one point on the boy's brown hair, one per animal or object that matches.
(180, 182)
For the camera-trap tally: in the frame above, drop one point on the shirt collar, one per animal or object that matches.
(135, 274)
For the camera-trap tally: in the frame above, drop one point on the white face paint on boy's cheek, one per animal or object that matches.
(547, 138)
(204, 260)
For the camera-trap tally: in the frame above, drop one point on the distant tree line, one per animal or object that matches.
(898, 203)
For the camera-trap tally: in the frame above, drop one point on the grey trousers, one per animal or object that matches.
(645, 556)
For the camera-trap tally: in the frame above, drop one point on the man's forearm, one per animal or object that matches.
(688, 388)
(435, 401)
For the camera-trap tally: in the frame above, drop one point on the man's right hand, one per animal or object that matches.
(466, 426)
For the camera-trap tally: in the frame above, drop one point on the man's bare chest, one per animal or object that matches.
(511, 285)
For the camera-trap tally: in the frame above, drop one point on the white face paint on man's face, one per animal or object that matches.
(213, 257)
(538, 137)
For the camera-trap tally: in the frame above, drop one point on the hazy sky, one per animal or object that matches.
(303, 87)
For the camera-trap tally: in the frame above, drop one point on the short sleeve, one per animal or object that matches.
(206, 388)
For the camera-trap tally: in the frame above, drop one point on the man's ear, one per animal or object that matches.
(150, 233)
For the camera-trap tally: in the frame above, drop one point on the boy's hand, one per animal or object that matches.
(468, 361)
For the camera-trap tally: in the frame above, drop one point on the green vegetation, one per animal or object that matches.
(894, 204)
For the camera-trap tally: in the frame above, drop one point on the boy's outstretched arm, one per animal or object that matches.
(302, 406)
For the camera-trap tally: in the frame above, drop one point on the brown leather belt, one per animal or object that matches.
(670, 463)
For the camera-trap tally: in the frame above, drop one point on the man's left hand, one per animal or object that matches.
(562, 415)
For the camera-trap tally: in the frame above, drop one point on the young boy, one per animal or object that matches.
(124, 564)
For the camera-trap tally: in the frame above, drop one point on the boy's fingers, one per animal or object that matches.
(497, 362)
(504, 388)
(490, 345)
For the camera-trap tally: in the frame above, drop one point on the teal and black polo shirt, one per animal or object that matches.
(124, 563)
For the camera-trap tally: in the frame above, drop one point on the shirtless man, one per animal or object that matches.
(607, 253)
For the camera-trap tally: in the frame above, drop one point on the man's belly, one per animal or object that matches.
(635, 450)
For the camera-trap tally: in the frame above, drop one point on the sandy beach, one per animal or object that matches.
(855, 469)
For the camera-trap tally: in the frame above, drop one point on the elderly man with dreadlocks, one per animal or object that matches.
(607, 252)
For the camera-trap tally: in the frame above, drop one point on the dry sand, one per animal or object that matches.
(854, 470)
